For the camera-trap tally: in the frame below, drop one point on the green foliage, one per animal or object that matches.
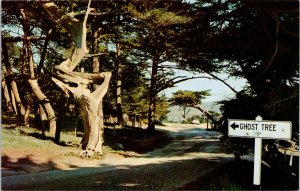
(188, 98)
(161, 108)
(185, 99)
(20, 137)
(135, 101)
(158, 16)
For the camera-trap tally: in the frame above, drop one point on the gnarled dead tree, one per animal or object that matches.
(76, 85)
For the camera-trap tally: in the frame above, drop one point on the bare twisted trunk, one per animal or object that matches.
(90, 108)
(76, 85)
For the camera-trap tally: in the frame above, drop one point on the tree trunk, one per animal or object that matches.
(43, 55)
(90, 108)
(45, 104)
(43, 117)
(17, 97)
(9, 109)
(5, 90)
(95, 60)
(185, 112)
(152, 94)
(27, 111)
(13, 102)
(43, 100)
(119, 74)
(13, 83)
(76, 84)
(119, 85)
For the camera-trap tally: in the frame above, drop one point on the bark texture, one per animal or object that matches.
(153, 94)
(43, 100)
(5, 90)
(119, 84)
(43, 117)
(27, 111)
(76, 85)
(15, 96)
(45, 103)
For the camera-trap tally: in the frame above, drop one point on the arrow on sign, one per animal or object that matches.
(234, 126)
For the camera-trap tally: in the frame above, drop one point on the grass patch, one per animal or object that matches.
(24, 137)
(119, 140)
(19, 137)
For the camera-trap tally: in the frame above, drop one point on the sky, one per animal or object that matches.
(219, 91)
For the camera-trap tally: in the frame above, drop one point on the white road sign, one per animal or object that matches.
(259, 129)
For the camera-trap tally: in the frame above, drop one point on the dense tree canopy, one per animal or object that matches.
(255, 40)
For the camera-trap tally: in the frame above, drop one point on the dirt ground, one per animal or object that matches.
(119, 143)
(124, 166)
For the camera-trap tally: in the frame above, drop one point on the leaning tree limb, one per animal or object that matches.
(170, 83)
(33, 82)
(205, 112)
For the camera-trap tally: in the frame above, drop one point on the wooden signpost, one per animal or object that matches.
(259, 129)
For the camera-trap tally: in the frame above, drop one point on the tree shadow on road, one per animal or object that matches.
(158, 175)
(181, 146)
(14, 166)
(135, 139)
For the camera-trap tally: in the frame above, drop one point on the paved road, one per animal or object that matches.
(192, 153)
